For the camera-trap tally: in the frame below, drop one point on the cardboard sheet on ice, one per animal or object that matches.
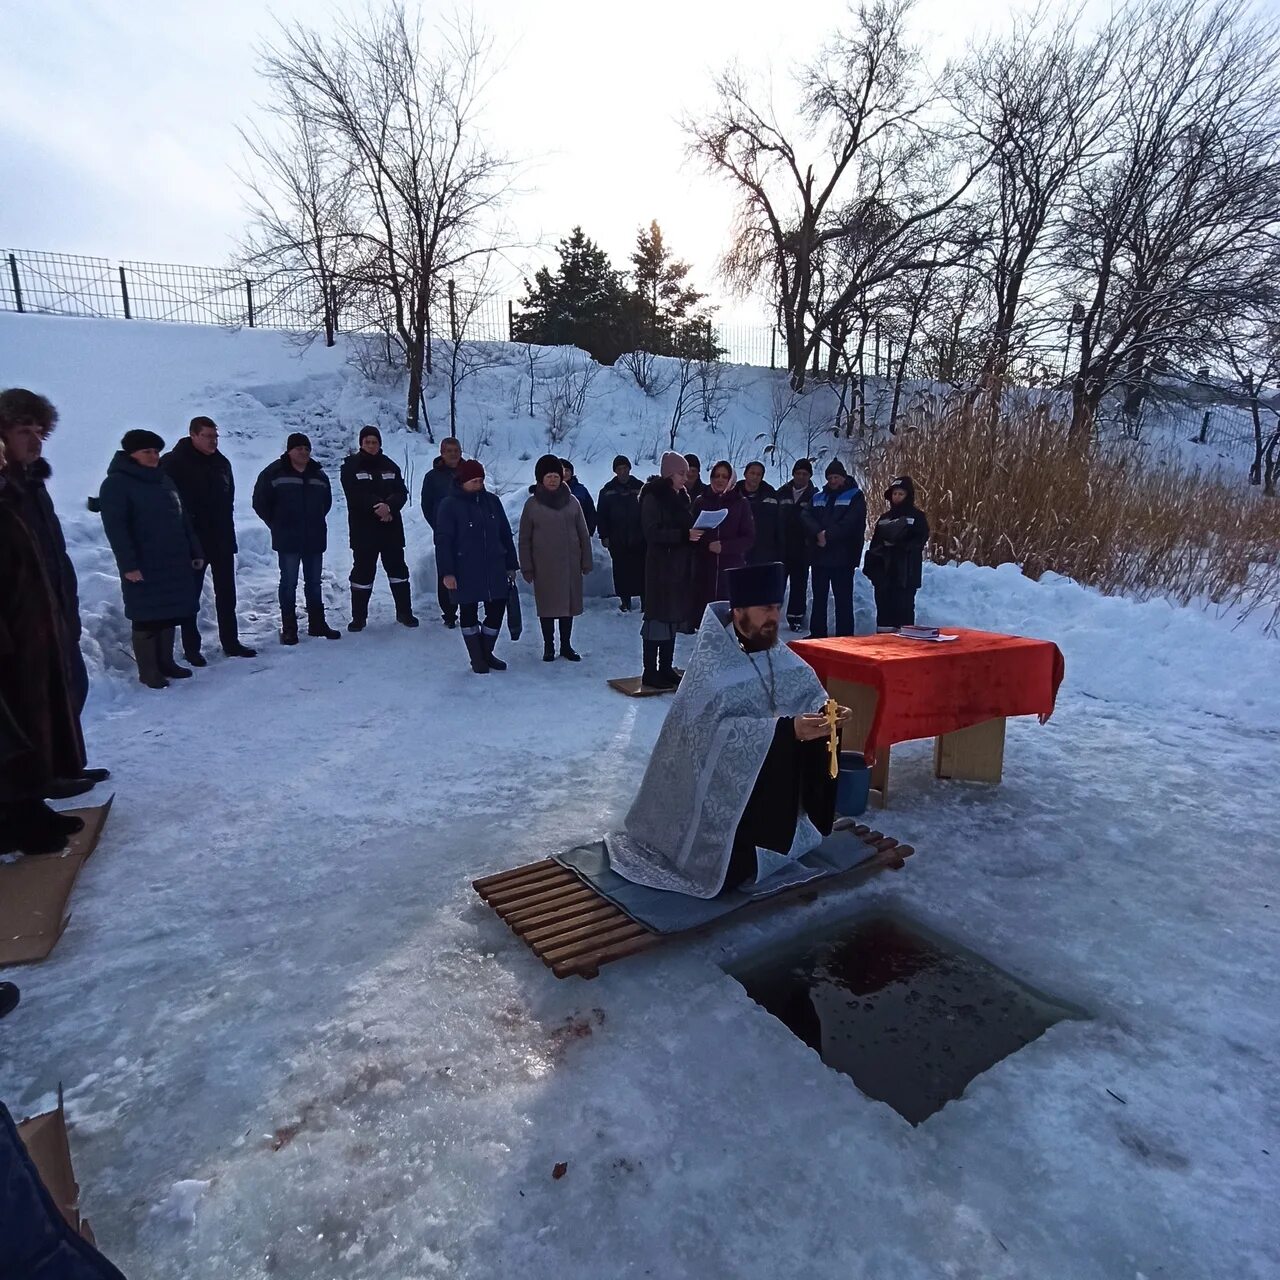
(45, 1138)
(34, 892)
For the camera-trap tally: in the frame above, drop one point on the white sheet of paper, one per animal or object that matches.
(710, 519)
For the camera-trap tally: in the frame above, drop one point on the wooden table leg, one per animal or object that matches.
(975, 754)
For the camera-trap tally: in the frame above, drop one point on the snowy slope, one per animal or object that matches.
(295, 1045)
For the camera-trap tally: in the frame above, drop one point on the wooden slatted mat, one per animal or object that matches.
(574, 930)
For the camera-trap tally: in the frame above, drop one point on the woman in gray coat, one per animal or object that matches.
(555, 553)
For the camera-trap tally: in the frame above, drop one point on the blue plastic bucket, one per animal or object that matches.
(853, 785)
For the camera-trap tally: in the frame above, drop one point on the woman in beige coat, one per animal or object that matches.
(555, 553)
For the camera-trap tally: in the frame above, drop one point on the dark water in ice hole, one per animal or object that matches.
(910, 1017)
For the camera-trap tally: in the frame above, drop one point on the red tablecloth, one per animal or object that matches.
(926, 689)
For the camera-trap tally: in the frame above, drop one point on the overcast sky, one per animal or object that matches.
(118, 117)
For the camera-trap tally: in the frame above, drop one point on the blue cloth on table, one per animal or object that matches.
(666, 912)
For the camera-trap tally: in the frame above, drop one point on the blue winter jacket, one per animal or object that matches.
(294, 505)
(842, 517)
(36, 1241)
(583, 495)
(474, 545)
(149, 531)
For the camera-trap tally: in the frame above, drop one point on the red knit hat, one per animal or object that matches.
(469, 469)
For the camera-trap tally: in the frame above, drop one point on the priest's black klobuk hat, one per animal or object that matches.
(756, 584)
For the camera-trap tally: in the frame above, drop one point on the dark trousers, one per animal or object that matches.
(798, 589)
(364, 567)
(895, 605)
(469, 617)
(839, 582)
(77, 673)
(310, 564)
(448, 610)
(223, 569)
(628, 573)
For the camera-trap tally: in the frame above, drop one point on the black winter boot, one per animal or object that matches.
(359, 608)
(490, 637)
(548, 639)
(146, 651)
(567, 650)
(649, 676)
(317, 626)
(30, 826)
(667, 678)
(404, 606)
(289, 629)
(475, 647)
(168, 667)
(8, 998)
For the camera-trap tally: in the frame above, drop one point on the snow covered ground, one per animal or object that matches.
(295, 1045)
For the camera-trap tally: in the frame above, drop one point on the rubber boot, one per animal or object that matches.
(404, 606)
(289, 629)
(146, 646)
(359, 608)
(490, 637)
(475, 648)
(667, 678)
(168, 667)
(317, 626)
(567, 650)
(649, 676)
(548, 639)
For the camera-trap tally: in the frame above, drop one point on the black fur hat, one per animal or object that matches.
(18, 406)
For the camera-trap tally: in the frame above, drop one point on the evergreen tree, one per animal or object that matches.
(583, 304)
(664, 315)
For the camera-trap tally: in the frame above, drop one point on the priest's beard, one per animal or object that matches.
(763, 637)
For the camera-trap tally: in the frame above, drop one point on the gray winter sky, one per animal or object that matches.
(118, 117)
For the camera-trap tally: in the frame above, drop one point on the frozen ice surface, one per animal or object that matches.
(277, 981)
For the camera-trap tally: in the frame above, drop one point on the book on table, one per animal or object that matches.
(925, 633)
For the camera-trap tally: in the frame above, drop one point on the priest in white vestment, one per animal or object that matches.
(738, 784)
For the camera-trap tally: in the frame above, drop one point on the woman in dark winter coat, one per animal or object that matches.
(155, 547)
(620, 532)
(792, 500)
(476, 558)
(292, 498)
(669, 536)
(896, 555)
(724, 547)
(836, 521)
(39, 728)
(765, 515)
(376, 495)
(582, 493)
(555, 555)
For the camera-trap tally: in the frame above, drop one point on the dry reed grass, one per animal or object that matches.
(1018, 491)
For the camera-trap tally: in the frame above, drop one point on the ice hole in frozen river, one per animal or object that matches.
(908, 1015)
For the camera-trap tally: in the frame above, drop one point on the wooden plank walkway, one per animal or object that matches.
(573, 930)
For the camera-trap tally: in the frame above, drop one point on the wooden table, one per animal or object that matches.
(960, 693)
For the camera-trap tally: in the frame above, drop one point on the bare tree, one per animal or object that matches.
(425, 185)
(299, 191)
(1036, 99)
(652, 373)
(685, 381)
(888, 185)
(462, 358)
(715, 396)
(1174, 228)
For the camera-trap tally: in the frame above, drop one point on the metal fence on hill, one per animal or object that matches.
(72, 284)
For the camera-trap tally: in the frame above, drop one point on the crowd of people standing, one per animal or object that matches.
(170, 521)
